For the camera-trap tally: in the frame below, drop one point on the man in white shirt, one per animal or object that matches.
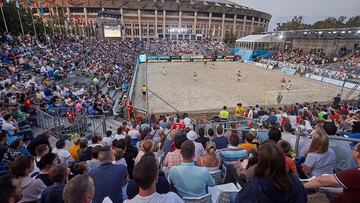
(199, 149)
(146, 176)
(187, 121)
(9, 126)
(134, 133)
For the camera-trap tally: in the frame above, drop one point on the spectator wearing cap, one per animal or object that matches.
(348, 180)
(199, 149)
(175, 158)
(188, 179)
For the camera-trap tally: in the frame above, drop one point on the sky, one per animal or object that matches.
(311, 10)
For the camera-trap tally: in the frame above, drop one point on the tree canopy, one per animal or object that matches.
(296, 23)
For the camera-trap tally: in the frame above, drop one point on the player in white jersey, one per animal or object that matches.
(164, 71)
(289, 85)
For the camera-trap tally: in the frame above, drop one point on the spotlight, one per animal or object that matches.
(343, 32)
(320, 33)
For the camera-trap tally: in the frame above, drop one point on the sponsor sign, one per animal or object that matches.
(288, 71)
(333, 81)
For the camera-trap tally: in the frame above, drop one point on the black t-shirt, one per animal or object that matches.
(45, 178)
(3, 149)
(202, 140)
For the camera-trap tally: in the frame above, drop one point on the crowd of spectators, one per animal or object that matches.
(166, 159)
(315, 62)
(161, 158)
(62, 72)
(167, 47)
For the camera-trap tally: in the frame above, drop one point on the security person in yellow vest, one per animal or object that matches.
(224, 114)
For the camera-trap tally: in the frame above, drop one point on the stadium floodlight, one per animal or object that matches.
(349, 31)
(281, 36)
(334, 32)
(343, 32)
(329, 32)
(320, 33)
(305, 33)
(358, 32)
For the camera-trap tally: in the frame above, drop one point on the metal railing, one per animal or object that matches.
(61, 126)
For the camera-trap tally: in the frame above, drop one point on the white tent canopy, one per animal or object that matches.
(259, 42)
(260, 38)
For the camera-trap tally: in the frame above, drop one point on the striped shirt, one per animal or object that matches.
(231, 154)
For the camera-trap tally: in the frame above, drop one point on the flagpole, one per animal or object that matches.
(57, 15)
(21, 25)
(32, 20)
(2, 13)
(65, 23)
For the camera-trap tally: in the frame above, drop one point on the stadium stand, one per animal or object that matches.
(277, 148)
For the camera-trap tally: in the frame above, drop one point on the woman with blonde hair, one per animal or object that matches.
(146, 146)
(209, 160)
(320, 158)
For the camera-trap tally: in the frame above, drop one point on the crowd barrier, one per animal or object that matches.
(186, 58)
(338, 83)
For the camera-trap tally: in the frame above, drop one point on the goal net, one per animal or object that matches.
(293, 96)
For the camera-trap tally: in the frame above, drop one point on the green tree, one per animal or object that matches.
(229, 38)
(296, 23)
(330, 22)
(258, 30)
(353, 21)
(13, 22)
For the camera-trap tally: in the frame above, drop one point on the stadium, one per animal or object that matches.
(176, 101)
(171, 19)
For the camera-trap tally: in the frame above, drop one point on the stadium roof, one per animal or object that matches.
(226, 3)
(260, 38)
(328, 33)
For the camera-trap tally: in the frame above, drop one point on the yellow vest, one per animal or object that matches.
(224, 114)
(144, 89)
(239, 111)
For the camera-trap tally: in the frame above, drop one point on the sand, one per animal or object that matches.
(217, 87)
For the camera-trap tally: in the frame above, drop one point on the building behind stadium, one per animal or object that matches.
(172, 19)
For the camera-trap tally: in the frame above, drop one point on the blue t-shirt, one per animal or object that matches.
(221, 142)
(190, 180)
(108, 180)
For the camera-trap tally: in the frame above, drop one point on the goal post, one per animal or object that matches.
(291, 96)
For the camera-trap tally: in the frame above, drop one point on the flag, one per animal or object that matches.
(17, 4)
(41, 9)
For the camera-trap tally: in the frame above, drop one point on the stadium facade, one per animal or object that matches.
(172, 19)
